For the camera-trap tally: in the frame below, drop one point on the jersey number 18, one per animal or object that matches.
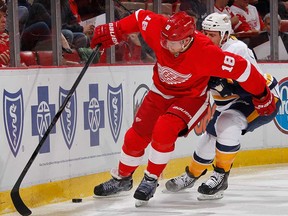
(229, 63)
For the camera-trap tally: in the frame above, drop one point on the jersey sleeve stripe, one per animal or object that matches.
(246, 73)
(137, 13)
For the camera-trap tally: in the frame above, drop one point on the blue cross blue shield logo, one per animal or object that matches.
(94, 114)
(13, 119)
(41, 115)
(68, 117)
(281, 119)
(115, 109)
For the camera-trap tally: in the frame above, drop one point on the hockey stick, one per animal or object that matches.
(15, 195)
(121, 5)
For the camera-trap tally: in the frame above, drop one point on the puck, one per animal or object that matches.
(76, 200)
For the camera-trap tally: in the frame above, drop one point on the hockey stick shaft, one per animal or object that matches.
(15, 194)
(121, 5)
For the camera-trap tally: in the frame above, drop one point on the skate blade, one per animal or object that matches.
(120, 194)
(140, 203)
(183, 191)
(218, 195)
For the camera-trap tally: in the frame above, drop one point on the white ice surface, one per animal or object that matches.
(257, 190)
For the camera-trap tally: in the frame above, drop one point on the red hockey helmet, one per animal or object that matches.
(178, 27)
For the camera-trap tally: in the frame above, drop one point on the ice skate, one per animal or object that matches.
(140, 203)
(215, 186)
(115, 185)
(186, 180)
(146, 189)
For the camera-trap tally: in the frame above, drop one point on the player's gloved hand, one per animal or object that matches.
(221, 85)
(266, 104)
(107, 35)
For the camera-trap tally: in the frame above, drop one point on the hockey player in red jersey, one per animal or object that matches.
(234, 116)
(178, 99)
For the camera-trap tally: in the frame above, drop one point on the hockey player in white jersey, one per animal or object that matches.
(234, 116)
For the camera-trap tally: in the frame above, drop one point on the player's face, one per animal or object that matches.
(214, 36)
(172, 46)
(175, 46)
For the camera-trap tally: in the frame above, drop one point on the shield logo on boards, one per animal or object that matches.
(139, 96)
(115, 109)
(281, 118)
(13, 119)
(68, 117)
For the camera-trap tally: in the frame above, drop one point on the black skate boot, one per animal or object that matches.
(115, 185)
(186, 180)
(214, 187)
(146, 189)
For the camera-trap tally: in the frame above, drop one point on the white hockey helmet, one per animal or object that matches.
(218, 22)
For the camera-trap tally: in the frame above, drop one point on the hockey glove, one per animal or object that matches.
(265, 105)
(221, 85)
(107, 35)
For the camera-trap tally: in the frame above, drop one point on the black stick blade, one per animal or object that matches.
(18, 203)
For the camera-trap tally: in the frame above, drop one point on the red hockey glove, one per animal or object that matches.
(265, 105)
(107, 35)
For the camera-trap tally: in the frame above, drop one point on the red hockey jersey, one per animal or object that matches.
(190, 71)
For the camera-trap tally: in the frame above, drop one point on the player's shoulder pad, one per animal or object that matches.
(240, 44)
(235, 46)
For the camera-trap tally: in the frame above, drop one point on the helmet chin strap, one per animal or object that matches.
(223, 40)
(185, 47)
